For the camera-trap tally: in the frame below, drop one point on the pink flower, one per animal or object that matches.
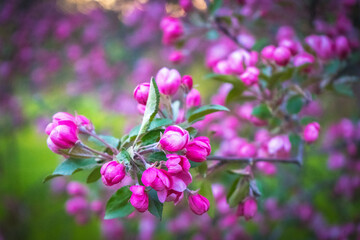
(199, 204)
(239, 58)
(266, 168)
(176, 57)
(282, 56)
(168, 81)
(193, 98)
(248, 208)
(342, 47)
(174, 196)
(187, 81)
(139, 198)
(76, 205)
(141, 108)
(322, 45)
(174, 139)
(63, 136)
(112, 173)
(141, 93)
(268, 52)
(285, 32)
(222, 67)
(336, 160)
(291, 45)
(304, 58)
(97, 207)
(76, 189)
(172, 30)
(311, 132)
(177, 163)
(159, 180)
(250, 76)
(246, 150)
(198, 149)
(279, 146)
(186, 5)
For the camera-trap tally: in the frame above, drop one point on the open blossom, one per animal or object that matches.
(112, 173)
(198, 149)
(139, 198)
(141, 93)
(240, 58)
(159, 180)
(193, 98)
(279, 146)
(199, 204)
(168, 81)
(247, 208)
(174, 139)
(311, 132)
(174, 196)
(172, 29)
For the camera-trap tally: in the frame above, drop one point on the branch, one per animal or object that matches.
(224, 160)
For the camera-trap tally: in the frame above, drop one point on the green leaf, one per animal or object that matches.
(260, 44)
(214, 6)
(236, 95)
(294, 139)
(194, 164)
(344, 89)
(225, 78)
(155, 206)
(205, 110)
(239, 190)
(157, 156)
(152, 107)
(70, 166)
(151, 137)
(202, 169)
(156, 123)
(261, 111)
(94, 175)
(306, 120)
(112, 141)
(206, 191)
(124, 157)
(118, 205)
(280, 77)
(294, 104)
(192, 131)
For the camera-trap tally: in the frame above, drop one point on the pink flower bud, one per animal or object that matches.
(64, 136)
(141, 108)
(84, 121)
(291, 45)
(322, 45)
(52, 146)
(246, 150)
(239, 58)
(222, 67)
(186, 5)
(176, 57)
(76, 205)
(60, 116)
(139, 198)
(279, 146)
(112, 173)
(199, 204)
(97, 207)
(158, 179)
(198, 149)
(174, 139)
(76, 189)
(285, 32)
(250, 76)
(336, 160)
(174, 196)
(172, 30)
(168, 81)
(141, 93)
(304, 58)
(187, 81)
(193, 98)
(342, 47)
(268, 52)
(112, 229)
(311, 132)
(177, 163)
(248, 208)
(282, 56)
(266, 168)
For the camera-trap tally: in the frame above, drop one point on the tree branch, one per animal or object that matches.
(254, 160)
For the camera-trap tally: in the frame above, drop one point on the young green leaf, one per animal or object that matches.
(261, 111)
(294, 104)
(94, 175)
(155, 206)
(205, 110)
(118, 205)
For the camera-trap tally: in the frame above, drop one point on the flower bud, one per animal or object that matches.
(141, 93)
(159, 180)
(112, 173)
(250, 76)
(176, 57)
(198, 149)
(268, 52)
(64, 136)
(279, 146)
(285, 32)
(248, 208)
(177, 163)
(322, 45)
(174, 139)
(222, 67)
(239, 58)
(246, 150)
(84, 121)
(311, 132)
(172, 30)
(76, 205)
(336, 160)
(139, 198)
(342, 47)
(174, 196)
(186, 5)
(290, 44)
(304, 58)
(282, 56)
(97, 207)
(141, 108)
(193, 98)
(168, 81)
(198, 204)
(76, 189)
(187, 81)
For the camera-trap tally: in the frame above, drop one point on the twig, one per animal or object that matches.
(253, 160)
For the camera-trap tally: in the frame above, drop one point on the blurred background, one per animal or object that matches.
(86, 56)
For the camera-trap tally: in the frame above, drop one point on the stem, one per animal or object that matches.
(150, 150)
(114, 150)
(161, 113)
(105, 155)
